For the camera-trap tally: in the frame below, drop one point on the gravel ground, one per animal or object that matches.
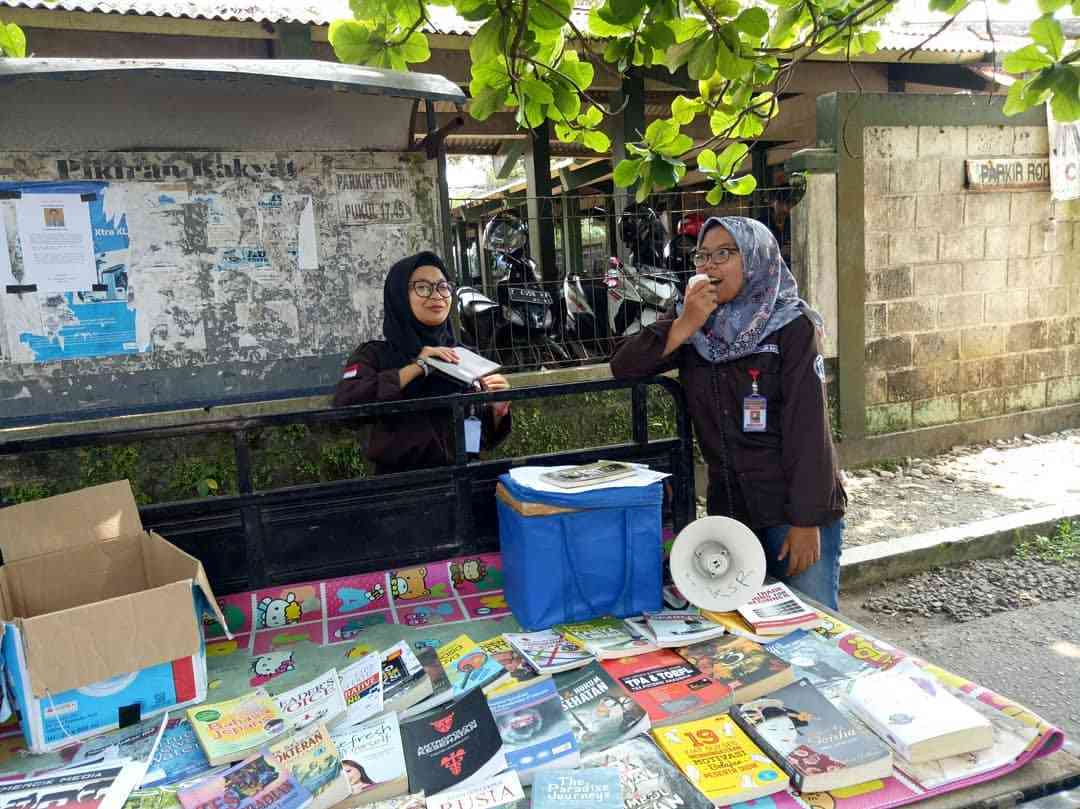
(976, 589)
(963, 485)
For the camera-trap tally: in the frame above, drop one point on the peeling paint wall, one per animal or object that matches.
(208, 283)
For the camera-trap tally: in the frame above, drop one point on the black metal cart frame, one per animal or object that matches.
(260, 538)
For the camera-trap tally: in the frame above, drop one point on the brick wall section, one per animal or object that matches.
(972, 299)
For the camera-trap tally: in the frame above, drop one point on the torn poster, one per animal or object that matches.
(308, 240)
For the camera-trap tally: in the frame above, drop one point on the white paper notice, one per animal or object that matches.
(5, 253)
(307, 247)
(57, 243)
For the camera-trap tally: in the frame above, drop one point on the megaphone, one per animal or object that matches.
(717, 563)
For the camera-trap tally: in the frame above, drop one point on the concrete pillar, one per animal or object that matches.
(813, 250)
(538, 185)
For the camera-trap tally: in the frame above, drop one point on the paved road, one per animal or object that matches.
(1031, 655)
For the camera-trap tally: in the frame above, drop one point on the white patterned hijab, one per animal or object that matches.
(768, 300)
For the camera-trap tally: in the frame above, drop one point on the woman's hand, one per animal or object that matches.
(701, 300)
(802, 549)
(496, 382)
(443, 353)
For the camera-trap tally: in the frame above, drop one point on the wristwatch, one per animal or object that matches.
(423, 363)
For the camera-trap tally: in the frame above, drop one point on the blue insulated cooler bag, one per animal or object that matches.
(572, 557)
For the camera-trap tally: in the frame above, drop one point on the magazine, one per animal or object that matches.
(589, 474)
(105, 785)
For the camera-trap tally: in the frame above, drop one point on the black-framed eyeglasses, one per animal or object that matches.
(720, 255)
(425, 289)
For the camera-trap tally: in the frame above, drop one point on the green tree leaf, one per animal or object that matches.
(1065, 103)
(486, 43)
(1028, 58)
(1050, 6)
(567, 100)
(660, 132)
(623, 11)
(1046, 31)
(352, 42)
(626, 173)
(663, 173)
(715, 195)
(415, 48)
(724, 8)
(12, 41)
(487, 102)
(753, 21)
(592, 117)
(597, 141)
(605, 28)
(686, 28)
(679, 55)
(580, 72)
(1017, 100)
(706, 160)
(702, 62)
(680, 145)
(683, 109)
(742, 186)
(730, 158)
(536, 91)
(550, 14)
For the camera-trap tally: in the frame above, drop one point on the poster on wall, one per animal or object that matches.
(203, 258)
(1064, 157)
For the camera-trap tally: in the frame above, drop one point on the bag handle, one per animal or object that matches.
(628, 567)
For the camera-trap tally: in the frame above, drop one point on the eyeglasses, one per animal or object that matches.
(721, 256)
(425, 289)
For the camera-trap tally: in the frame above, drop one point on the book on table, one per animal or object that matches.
(747, 668)
(669, 629)
(719, 758)
(534, 728)
(815, 744)
(234, 729)
(668, 687)
(510, 659)
(256, 782)
(775, 610)
(590, 474)
(649, 778)
(441, 690)
(310, 755)
(549, 652)
(594, 788)
(917, 716)
(607, 638)
(404, 680)
(373, 758)
(468, 666)
(600, 712)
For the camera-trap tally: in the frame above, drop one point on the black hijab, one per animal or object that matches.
(405, 335)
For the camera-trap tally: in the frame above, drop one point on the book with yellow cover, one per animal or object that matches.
(468, 666)
(232, 730)
(721, 760)
(510, 659)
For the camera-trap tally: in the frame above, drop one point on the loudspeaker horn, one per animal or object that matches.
(717, 563)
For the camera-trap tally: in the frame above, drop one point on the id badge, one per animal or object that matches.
(754, 414)
(472, 435)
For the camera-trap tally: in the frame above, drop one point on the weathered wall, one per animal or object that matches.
(972, 297)
(208, 294)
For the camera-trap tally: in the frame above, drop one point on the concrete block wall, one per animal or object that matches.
(972, 299)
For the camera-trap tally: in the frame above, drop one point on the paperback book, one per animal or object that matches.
(775, 610)
(510, 659)
(441, 690)
(231, 730)
(311, 757)
(817, 659)
(720, 759)
(917, 716)
(600, 712)
(590, 474)
(319, 700)
(669, 688)
(404, 680)
(607, 638)
(165, 796)
(362, 689)
(648, 777)
(255, 783)
(736, 625)
(469, 368)
(137, 743)
(549, 652)
(673, 628)
(746, 667)
(103, 785)
(594, 788)
(453, 743)
(468, 666)
(534, 730)
(816, 745)
(178, 757)
(502, 791)
(372, 758)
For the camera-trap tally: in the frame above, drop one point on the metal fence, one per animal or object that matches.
(592, 270)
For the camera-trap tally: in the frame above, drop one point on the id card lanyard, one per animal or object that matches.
(754, 413)
(472, 432)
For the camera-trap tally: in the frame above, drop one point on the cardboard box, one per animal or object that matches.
(101, 620)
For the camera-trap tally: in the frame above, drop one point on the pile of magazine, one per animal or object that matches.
(669, 709)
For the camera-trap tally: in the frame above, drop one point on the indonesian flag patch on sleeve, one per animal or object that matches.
(351, 371)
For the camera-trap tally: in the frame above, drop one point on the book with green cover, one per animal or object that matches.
(607, 638)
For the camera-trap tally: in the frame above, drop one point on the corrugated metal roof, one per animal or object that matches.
(965, 38)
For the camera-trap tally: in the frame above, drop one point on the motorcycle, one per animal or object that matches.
(631, 296)
(518, 327)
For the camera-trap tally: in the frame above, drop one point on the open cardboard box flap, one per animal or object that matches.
(148, 619)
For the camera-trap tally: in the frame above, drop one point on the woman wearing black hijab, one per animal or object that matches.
(416, 325)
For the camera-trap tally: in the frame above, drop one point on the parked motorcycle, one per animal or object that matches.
(518, 327)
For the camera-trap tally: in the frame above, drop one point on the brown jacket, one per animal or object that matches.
(787, 475)
(411, 440)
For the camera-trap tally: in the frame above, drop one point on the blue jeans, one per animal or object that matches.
(822, 580)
